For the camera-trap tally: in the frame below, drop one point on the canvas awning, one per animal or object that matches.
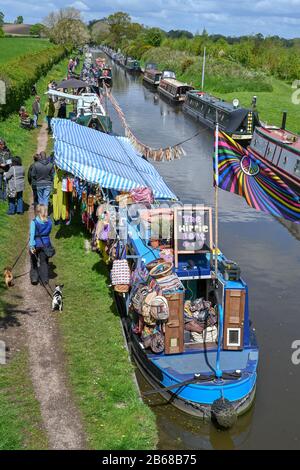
(102, 159)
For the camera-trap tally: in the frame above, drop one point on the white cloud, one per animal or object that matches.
(233, 17)
(80, 6)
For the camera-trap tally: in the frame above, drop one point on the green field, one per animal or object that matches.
(10, 48)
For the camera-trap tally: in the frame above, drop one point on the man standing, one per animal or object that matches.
(43, 173)
(36, 110)
(4, 156)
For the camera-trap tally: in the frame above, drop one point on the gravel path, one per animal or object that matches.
(47, 363)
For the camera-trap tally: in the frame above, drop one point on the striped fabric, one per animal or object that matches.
(103, 159)
(240, 172)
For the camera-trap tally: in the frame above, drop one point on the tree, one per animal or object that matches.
(1, 18)
(99, 31)
(1, 32)
(118, 23)
(19, 20)
(154, 37)
(66, 27)
(37, 29)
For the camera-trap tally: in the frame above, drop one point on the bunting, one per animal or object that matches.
(158, 155)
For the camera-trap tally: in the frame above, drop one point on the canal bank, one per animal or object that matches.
(83, 347)
(268, 256)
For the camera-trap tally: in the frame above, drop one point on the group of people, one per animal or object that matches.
(12, 184)
(40, 177)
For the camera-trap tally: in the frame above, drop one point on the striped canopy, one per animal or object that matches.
(102, 159)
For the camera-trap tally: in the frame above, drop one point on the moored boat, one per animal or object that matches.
(187, 323)
(193, 369)
(279, 149)
(236, 121)
(171, 88)
(132, 65)
(152, 76)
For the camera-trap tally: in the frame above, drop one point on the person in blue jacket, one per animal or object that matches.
(40, 229)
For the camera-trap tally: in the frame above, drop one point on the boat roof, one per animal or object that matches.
(106, 160)
(282, 136)
(214, 101)
(176, 82)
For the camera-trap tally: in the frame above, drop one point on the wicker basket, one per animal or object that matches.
(162, 269)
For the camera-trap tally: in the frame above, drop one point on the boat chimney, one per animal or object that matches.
(283, 125)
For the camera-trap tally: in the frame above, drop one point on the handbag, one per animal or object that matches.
(120, 275)
(48, 250)
(12, 192)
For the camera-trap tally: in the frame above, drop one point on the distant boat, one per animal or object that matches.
(236, 121)
(171, 88)
(132, 65)
(152, 75)
(279, 149)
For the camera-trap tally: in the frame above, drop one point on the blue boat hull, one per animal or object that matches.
(161, 371)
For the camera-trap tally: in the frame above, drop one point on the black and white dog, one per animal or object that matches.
(57, 298)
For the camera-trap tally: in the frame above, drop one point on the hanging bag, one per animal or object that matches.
(12, 192)
(120, 275)
(159, 309)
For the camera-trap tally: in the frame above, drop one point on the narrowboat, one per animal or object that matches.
(279, 149)
(152, 76)
(172, 89)
(184, 307)
(196, 369)
(236, 121)
(132, 65)
(88, 112)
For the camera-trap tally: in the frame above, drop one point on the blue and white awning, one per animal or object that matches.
(102, 159)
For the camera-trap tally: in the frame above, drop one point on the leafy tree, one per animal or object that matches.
(1, 18)
(37, 29)
(118, 23)
(154, 37)
(1, 32)
(66, 27)
(19, 20)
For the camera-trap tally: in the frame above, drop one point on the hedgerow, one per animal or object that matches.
(21, 73)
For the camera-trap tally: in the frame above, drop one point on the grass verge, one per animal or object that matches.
(229, 80)
(99, 368)
(20, 420)
(17, 47)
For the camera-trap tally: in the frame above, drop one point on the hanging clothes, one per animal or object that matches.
(60, 198)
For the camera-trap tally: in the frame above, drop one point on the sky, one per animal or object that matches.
(228, 17)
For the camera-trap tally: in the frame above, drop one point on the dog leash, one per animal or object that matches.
(42, 282)
(19, 256)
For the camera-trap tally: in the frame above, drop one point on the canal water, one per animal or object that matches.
(268, 253)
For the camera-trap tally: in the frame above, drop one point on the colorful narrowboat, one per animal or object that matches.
(171, 88)
(279, 149)
(236, 121)
(184, 306)
(187, 327)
